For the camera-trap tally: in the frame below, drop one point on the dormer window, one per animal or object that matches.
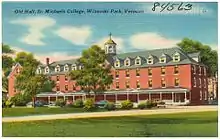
(74, 67)
(39, 70)
(47, 70)
(80, 67)
(117, 63)
(138, 61)
(150, 60)
(66, 68)
(127, 62)
(57, 68)
(176, 57)
(163, 59)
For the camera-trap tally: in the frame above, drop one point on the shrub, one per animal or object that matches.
(69, 104)
(161, 103)
(142, 105)
(60, 102)
(8, 104)
(154, 104)
(110, 106)
(127, 105)
(149, 104)
(89, 104)
(78, 103)
(20, 99)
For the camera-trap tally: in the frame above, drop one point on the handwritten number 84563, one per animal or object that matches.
(171, 6)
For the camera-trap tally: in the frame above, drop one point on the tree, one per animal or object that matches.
(6, 49)
(23, 58)
(7, 61)
(94, 76)
(209, 57)
(48, 86)
(28, 82)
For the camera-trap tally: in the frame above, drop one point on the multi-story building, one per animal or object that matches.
(166, 74)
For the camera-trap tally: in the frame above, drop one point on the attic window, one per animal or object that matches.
(127, 62)
(74, 67)
(176, 57)
(137, 61)
(117, 63)
(163, 59)
(150, 60)
(57, 68)
(47, 70)
(39, 70)
(66, 68)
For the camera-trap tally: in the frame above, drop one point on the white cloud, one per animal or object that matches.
(118, 40)
(36, 26)
(54, 56)
(75, 35)
(151, 40)
(197, 9)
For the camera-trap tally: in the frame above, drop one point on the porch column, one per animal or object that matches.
(138, 98)
(116, 97)
(64, 97)
(173, 97)
(48, 99)
(73, 98)
(185, 96)
(104, 96)
(127, 96)
(149, 96)
(56, 97)
(160, 96)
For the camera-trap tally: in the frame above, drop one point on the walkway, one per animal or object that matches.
(168, 110)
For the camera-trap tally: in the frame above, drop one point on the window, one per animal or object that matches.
(74, 87)
(194, 81)
(150, 83)
(150, 60)
(177, 82)
(200, 95)
(117, 74)
(137, 61)
(163, 59)
(176, 57)
(58, 88)
(163, 83)
(127, 84)
(57, 68)
(74, 67)
(138, 84)
(163, 70)
(17, 70)
(15, 90)
(66, 87)
(39, 70)
(204, 71)
(137, 72)
(47, 70)
(194, 69)
(117, 85)
(66, 68)
(127, 74)
(200, 82)
(127, 62)
(149, 72)
(204, 83)
(66, 78)
(58, 78)
(176, 70)
(200, 70)
(80, 67)
(117, 63)
(205, 93)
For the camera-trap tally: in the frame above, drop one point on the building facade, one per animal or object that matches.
(167, 74)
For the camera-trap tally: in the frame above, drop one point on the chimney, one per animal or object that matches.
(47, 61)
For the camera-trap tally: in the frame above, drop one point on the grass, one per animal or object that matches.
(178, 125)
(23, 111)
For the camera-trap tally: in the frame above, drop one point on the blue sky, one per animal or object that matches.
(64, 36)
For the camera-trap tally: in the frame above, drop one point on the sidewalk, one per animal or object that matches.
(168, 110)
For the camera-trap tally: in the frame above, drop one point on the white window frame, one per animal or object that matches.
(47, 71)
(118, 63)
(150, 60)
(165, 59)
(175, 82)
(165, 83)
(204, 71)
(200, 96)
(57, 68)
(205, 95)
(74, 67)
(66, 66)
(194, 67)
(39, 70)
(194, 81)
(204, 83)
(174, 57)
(129, 61)
(200, 83)
(200, 70)
(138, 58)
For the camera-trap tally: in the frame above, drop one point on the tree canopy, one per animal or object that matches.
(95, 75)
(209, 57)
(7, 61)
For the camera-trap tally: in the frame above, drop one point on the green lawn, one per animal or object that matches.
(10, 112)
(183, 124)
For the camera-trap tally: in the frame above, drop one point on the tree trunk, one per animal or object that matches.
(33, 101)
